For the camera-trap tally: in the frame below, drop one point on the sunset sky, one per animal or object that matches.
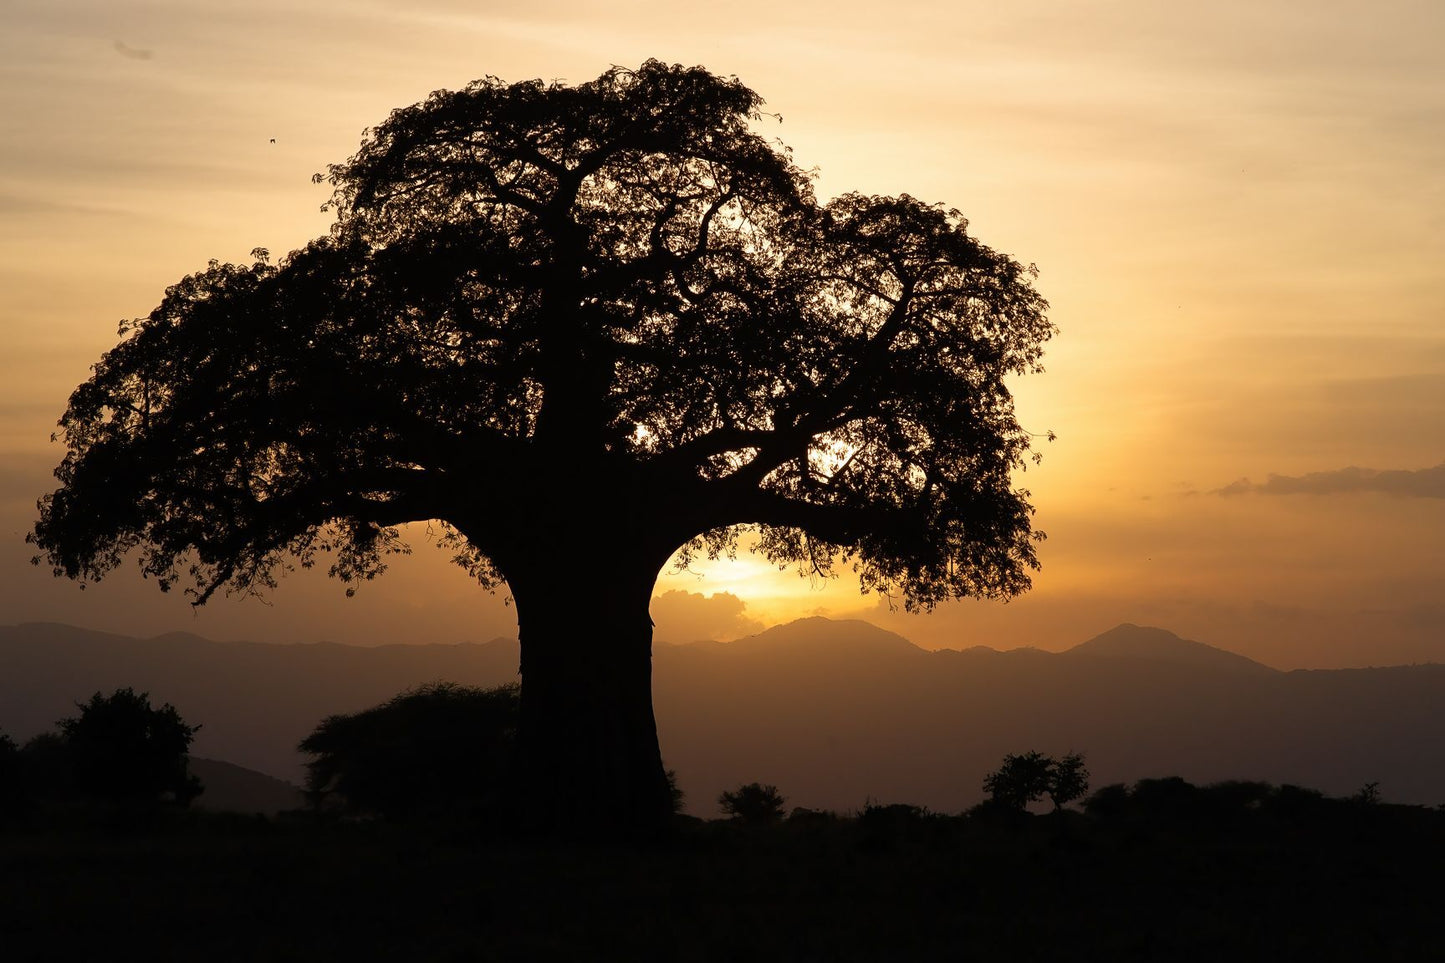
(1237, 210)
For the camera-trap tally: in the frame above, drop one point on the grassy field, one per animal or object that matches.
(1353, 882)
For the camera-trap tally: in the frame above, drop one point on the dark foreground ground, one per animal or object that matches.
(1357, 883)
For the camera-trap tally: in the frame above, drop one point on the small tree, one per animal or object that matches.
(754, 803)
(1068, 780)
(675, 794)
(1031, 776)
(1021, 780)
(1368, 795)
(120, 749)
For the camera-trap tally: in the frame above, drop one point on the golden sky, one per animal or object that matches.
(1238, 210)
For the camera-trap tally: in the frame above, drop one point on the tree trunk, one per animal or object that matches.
(590, 762)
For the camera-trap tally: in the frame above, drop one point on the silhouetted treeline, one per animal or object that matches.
(445, 753)
(416, 867)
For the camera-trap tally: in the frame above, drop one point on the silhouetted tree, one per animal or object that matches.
(1368, 795)
(120, 749)
(1170, 799)
(1030, 776)
(1068, 780)
(1108, 802)
(1242, 794)
(437, 748)
(883, 824)
(13, 792)
(1022, 779)
(675, 796)
(570, 323)
(754, 803)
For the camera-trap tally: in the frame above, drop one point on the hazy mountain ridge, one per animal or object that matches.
(1130, 641)
(233, 788)
(834, 713)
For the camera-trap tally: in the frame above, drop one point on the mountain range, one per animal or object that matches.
(835, 713)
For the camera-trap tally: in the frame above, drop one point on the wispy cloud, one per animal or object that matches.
(1421, 483)
(132, 53)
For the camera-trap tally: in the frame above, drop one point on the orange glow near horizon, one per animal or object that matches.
(1236, 211)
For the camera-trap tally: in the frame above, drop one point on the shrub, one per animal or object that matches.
(12, 785)
(754, 803)
(120, 749)
(1068, 780)
(437, 748)
(1021, 779)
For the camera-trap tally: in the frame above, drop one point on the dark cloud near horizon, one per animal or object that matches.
(1403, 483)
(132, 53)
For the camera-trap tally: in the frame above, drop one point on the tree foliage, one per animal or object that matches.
(121, 749)
(1172, 803)
(1068, 780)
(13, 792)
(1029, 777)
(531, 284)
(433, 749)
(1020, 780)
(439, 749)
(753, 803)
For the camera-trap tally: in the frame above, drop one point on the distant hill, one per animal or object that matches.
(838, 713)
(1129, 641)
(833, 713)
(229, 788)
(826, 639)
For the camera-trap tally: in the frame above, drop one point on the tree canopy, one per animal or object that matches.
(623, 281)
(120, 748)
(1030, 776)
(753, 803)
(437, 748)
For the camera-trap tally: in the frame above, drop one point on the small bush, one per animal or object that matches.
(438, 748)
(1109, 802)
(755, 804)
(802, 816)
